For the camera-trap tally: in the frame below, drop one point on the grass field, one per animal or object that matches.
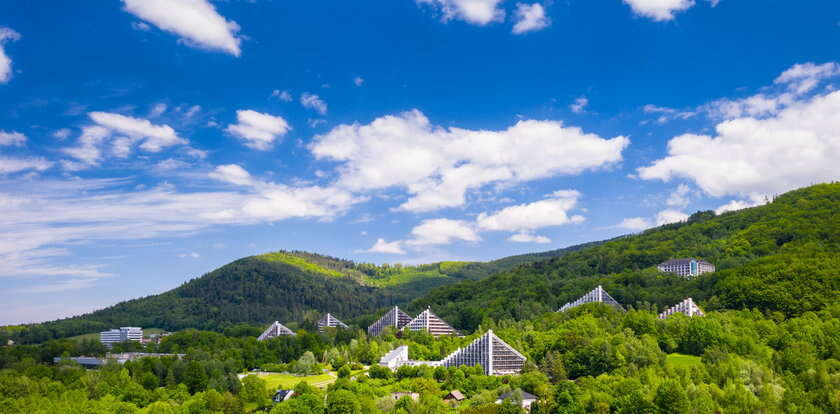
(288, 381)
(682, 360)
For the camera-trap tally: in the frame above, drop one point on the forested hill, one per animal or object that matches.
(292, 287)
(781, 257)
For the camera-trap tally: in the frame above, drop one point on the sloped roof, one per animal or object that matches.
(597, 295)
(429, 322)
(276, 329)
(395, 317)
(525, 395)
(456, 395)
(330, 321)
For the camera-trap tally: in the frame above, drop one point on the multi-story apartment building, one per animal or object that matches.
(124, 334)
(395, 317)
(597, 295)
(687, 307)
(688, 267)
(431, 323)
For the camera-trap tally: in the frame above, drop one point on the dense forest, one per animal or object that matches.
(782, 256)
(293, 287)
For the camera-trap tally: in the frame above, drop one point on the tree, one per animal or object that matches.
(254, 390)
(344, 372)
(343, 402)
(671, 398)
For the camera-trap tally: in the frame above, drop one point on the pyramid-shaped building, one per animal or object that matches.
(596, 295)
(330, 321)
(275, 330)
(431, 323)
(491, 352)
(687, 307)
(395, 317)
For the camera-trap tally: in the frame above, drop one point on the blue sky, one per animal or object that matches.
(146, 142)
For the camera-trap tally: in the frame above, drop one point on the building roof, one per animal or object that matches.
(687, 307)
(597, 295)
(283, 395)
(395, 317)
(682, 261)
(489, 351)
(431, 323)
(455, 394)
(276, 329)
(525, 396)
(330, 321)
(394, 353)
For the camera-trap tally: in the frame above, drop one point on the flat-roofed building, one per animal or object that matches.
(124, 334)
(688, 267)
(431, 323)
(395, 317)
(395, 358)
(687, 307)
(330, 321)
(275, 330)
(597, 295)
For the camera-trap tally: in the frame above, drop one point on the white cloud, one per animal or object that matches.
(659, 10)
(10, 165)
(437, 166)
(754, 158)
(679, 197)
(804, 77)
(358, 81)
(284, 96)
(735, 205)
(442, 231)
(12, 138)
(635, 224)
(670, 216)
(6, 35)
(313, 102)
(528, 238)
(157, 110)
(61, 134)
(381, 246)
(667, 114)
(143, 27)
(232, 174)
(191, 255)
(579, 105)
(258, 130)
(480, 12)
(154, 137)
(530, 18)
(196, 21)
(523, 218)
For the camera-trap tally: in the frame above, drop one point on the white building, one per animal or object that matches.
(431, 323)
(124, 334)
(395, 317)
(528, 399)
(597, 295)
(688, 267)
(687, 307)
(330, 321)
(276, 329)
(395, 358)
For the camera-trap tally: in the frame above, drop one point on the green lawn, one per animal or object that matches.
(288, 381)
(682, 360)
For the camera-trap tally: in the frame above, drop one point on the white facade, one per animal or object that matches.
(395, 317)
(597, 295)
(686, 267)
(431, 323)
(396, 358)
(124, 334)
(330, 321)
(687, 307)
(276, 329)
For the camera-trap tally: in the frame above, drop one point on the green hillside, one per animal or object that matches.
(290, 286)
(782, 257)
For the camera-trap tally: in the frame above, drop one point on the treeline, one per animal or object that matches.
(779, 257)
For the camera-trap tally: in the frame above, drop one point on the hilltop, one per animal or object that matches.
(291, 286)
(779, 257)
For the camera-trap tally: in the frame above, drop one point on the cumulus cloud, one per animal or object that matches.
(524, 218)
(635, 224)
(196, 21)
(579, 105)
(479, 12)
(804, 77)
(442, 231)
(529, 18)
(437, 166)
(313, 102)
(381, 246)
(659, 10)
(735, 205)
(670, 216)
(528, 238)
(6, 35)
(755, 158)
(258, 130)
(10, 165)
(12, 138)
(232, 174)
(124, 132)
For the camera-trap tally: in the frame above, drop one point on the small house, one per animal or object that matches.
(283, 395)
(527, 399)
